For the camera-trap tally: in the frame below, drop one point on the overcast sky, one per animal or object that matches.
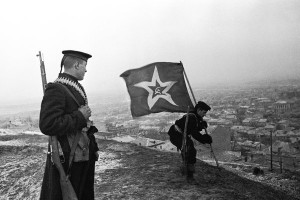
(216, 40)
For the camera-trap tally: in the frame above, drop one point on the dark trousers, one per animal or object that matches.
(176, 139)
(82, 179)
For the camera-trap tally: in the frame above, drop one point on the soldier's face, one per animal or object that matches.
(81, 70)
(201, 113)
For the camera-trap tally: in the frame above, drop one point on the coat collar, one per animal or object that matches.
(198, 117)
(65, 75)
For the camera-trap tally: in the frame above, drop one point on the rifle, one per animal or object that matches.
(67, 189)
(184, 147)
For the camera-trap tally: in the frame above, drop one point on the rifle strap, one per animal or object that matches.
(72, 153)
(70, 93)
(77, 137)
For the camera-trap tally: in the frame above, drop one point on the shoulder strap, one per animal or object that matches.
(72, 153)
(69, 92)
(193, 114)
(77, 137)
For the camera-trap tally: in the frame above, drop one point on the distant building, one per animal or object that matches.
(270, 127)
(129, 129)
(263, 102)
(251, 145)
(281, 107)
(247, 122)
(148, 142)
(283, 124)
(167, 146)
(223, 122)
(231, 117)
(284, 147)
(125, 138)
(262, 122)
(213, 121)
(141, 141)
(242, 109)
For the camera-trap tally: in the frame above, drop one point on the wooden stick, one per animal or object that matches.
(212, 152)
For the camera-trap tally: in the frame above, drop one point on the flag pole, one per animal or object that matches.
(188, 82)
(212, 152)
(184, 147)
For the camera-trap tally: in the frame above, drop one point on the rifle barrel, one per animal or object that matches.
(43, 71)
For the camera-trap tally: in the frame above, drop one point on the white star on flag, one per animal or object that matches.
(163, 94)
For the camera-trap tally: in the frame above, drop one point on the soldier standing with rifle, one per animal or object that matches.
(65, 116)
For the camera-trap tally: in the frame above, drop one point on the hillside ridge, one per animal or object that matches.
(127, 171)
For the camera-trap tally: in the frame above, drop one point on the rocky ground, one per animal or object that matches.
(128, 171)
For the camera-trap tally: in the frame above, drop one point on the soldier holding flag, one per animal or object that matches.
(194, 126)
(160, 87)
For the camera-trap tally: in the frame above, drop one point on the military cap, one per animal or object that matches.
(76, 54)
(202, 106)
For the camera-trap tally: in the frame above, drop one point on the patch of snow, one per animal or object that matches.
(7, 132)
(126, 138)
(33, 132)
(106, 161)
(12, 143)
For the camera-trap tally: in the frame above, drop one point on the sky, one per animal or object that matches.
(217, 41)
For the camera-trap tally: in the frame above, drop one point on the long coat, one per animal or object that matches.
(59, 116)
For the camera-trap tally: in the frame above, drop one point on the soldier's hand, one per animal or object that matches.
(204, 124)
(207, 139)
(86, 111)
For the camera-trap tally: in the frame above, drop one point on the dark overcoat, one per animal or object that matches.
(194, 126)
(59, 116)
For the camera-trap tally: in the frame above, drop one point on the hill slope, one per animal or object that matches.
(126, 171)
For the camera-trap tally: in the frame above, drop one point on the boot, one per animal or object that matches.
(191, 168)
(190, 178)
(190, 174)
(183, 170)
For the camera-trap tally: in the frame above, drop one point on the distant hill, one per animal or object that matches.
(20, 109)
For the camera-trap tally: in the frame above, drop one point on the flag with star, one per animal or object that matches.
(157, 87)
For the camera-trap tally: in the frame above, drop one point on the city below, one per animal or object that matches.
(258, 123)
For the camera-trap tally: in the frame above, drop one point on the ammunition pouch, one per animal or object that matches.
(82, 149)
(175, 137)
